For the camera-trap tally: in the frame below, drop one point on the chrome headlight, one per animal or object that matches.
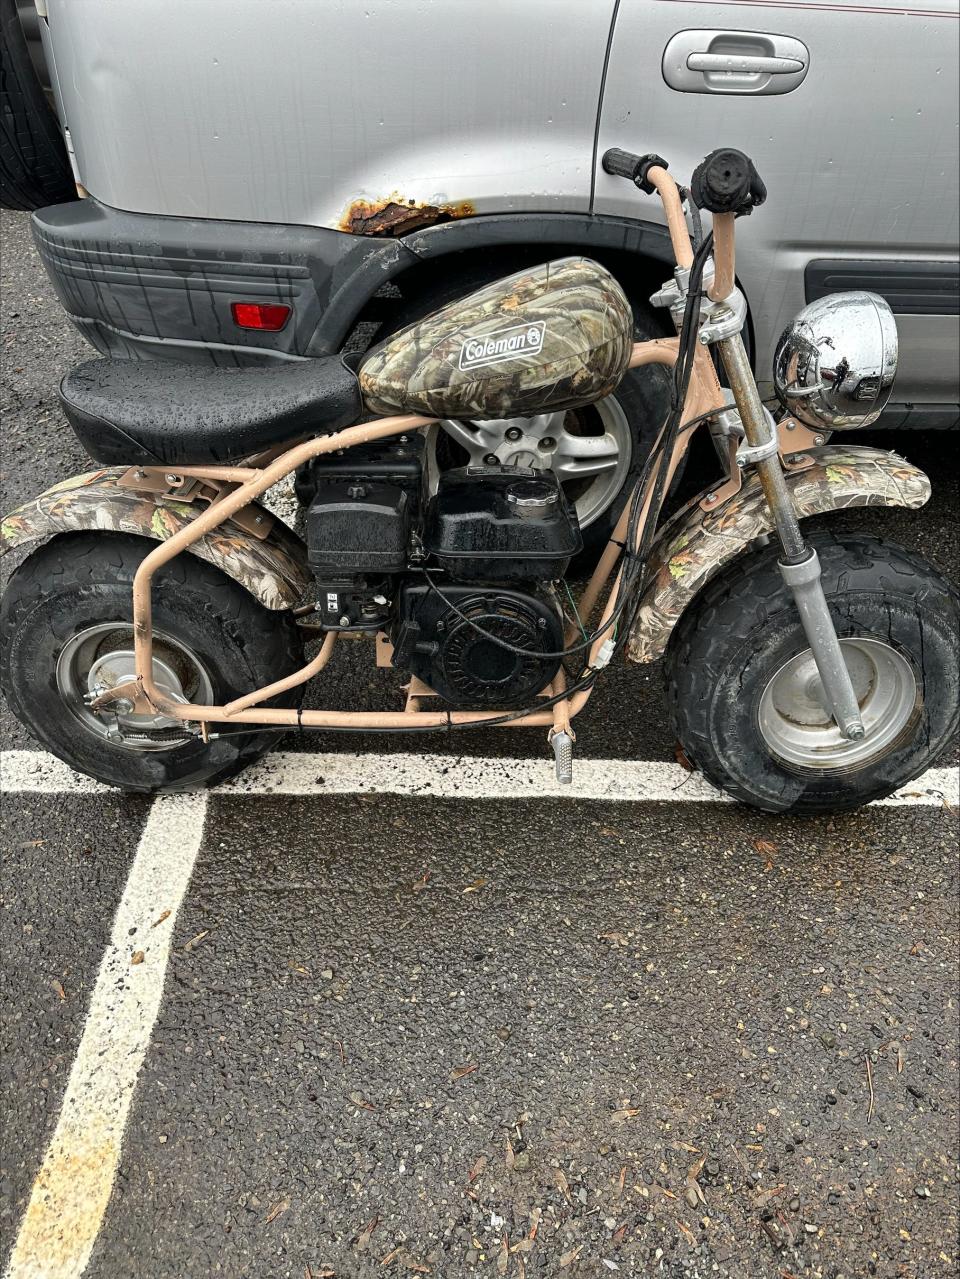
(834, 366)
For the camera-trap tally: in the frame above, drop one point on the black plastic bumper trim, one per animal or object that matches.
(918, 417)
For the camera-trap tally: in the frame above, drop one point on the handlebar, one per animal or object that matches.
(621, 164)
(649, 173)
(725, 183)
(624, 164)
(724, 257)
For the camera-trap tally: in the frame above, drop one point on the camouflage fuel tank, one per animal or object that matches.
(551, 337)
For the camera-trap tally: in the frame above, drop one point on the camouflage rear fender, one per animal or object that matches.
(273, 569)
(694, 545)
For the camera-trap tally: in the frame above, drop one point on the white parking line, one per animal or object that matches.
(72, 1188)
(451, 777)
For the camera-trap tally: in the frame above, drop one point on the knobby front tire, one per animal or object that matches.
(744, 699)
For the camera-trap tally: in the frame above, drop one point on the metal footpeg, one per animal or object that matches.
(562, 744)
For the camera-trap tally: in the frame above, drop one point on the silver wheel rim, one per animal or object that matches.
(590, 449)
(799, 730)
(102, 657)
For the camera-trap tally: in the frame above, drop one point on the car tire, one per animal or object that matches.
(34, 168)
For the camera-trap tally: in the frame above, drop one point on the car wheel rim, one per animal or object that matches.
(590, 449)
(101, 657)
(799, 730)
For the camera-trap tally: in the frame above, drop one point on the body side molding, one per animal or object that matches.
(910, 287)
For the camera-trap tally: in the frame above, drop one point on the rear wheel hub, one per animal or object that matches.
(100, 658)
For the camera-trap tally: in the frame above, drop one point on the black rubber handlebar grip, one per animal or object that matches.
(727, 182)
(621, 164)
(624, 164)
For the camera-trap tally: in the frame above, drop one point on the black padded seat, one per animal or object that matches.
(151, 412)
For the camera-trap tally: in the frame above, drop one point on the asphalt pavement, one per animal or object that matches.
(407, 1033)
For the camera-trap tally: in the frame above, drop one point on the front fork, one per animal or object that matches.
(799, 564)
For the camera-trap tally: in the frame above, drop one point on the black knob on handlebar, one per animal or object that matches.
(727, 182)
(624, 164)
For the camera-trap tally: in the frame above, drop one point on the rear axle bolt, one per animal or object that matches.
(514, 433)
(491, 460)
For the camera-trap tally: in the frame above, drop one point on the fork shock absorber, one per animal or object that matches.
(799, 564)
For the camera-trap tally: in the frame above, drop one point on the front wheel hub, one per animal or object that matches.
(796, 724)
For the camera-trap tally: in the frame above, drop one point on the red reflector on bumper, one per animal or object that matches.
(271, 316)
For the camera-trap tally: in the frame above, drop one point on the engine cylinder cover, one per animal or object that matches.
(554, 336)
(442, 646)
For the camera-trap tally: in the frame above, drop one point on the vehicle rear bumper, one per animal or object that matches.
(149, 287)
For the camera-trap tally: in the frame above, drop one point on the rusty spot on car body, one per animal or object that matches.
(396, 216)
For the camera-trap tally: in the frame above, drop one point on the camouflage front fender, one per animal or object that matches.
(695, 545)
(273, 569)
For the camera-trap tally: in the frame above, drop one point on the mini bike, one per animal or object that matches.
(155, 640)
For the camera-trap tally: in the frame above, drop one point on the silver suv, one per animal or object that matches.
(263, 181)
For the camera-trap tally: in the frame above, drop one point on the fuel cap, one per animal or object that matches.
(532, 498)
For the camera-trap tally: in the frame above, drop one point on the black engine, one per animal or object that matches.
(461, 581)
(437, 637)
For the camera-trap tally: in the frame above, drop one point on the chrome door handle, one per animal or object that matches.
(748, 62)
(753, 64)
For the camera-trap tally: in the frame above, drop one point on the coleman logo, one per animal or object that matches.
(506, 344)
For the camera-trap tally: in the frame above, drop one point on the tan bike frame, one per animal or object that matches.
(703, 397)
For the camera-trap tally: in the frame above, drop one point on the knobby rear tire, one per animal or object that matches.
(79, 580)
